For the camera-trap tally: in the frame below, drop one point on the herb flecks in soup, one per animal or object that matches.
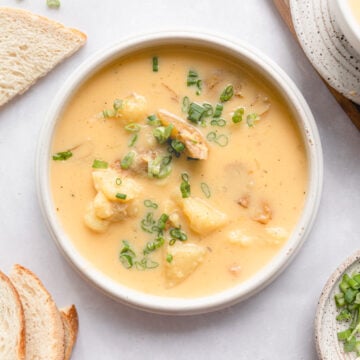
(180, 174)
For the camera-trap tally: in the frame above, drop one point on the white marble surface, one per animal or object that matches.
(277, 323)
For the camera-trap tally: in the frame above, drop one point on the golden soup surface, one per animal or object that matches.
(246, 193)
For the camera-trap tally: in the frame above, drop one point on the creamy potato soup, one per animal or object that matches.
(355, 8)
(178, 172)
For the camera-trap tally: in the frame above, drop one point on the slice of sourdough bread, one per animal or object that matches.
(12, 322)
(71, 326)
(30, 46)
(44, 327)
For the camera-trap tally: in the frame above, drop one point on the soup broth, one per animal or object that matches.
(178, 172)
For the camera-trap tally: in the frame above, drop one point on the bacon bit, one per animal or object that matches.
(235, 270)
(244, 201)
(265, 215)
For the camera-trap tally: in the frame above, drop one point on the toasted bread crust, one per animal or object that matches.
(20, 348)
(36, 43)
(26, 282)
(71, 326)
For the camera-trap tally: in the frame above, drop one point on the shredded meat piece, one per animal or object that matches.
(264, 215)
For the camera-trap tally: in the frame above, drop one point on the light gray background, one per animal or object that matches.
(277, 323)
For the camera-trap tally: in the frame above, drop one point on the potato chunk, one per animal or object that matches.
(112, 182)
(133, 109)
(94, 222)
(186, 257)
(203, 218)
(194, 141)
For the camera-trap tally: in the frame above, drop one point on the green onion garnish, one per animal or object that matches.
(133, 140)
(177, 234)
(348, 303)
(117, 105)
(169, 258)
(162, 221)
(185, 104)
(127, 255)
(121, 196)
(146, 263)
(133, 127)
(153, 120)
(218, 111)
(205, 189)
(154, 245)
(128, 159)
(251, 118)
(160, 167)
(155, 64)
(209, 110)
(227, 94)
(109, 113)
(150, 204)
(63, 155)
(148, 222)
(221, 140)
(238, 115)
(177, 145)
(118, 181)
(193, 79)
(185, 186)
(218, 122)
(54, 4)
(196, 112)
(162, 133)
(99, 164)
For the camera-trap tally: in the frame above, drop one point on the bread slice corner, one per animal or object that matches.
(44, 327)
(30, 46)
(70, 320)
(12, 324)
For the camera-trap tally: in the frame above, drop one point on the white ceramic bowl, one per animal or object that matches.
(296, 102)
(347, 22)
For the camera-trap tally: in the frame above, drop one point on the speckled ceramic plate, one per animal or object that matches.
(326, 326)
(326, 47)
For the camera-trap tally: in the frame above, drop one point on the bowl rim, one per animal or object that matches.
(306, 123)
(347, 23)
(331, 283)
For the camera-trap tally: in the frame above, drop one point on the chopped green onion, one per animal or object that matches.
(127, 255)
(148, 222)
(154, 245)
(155, 64)
(218, 122)
(177, 234)
(54, 4)
(205, 189)
(192, 78)
(150, 204)
(185, 186)
(146, 263)
(99, 164)
(227, 94)
(133, 140)
(251, 118)
(118, 181)
(185, 104)
(109, 113)
(128, 159)
(153, 120)
(177, 145)
(196, 112)
(63, 155)
(133, 127)
(160, 167)
(172, 242)
(218, 111)
(169, 258)
(343, 335)
(162, 133)
(209, 110)
(117, 105)
(121, 196)
(238, 115)
(221, 140)
(345, 315)
(162, 221)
